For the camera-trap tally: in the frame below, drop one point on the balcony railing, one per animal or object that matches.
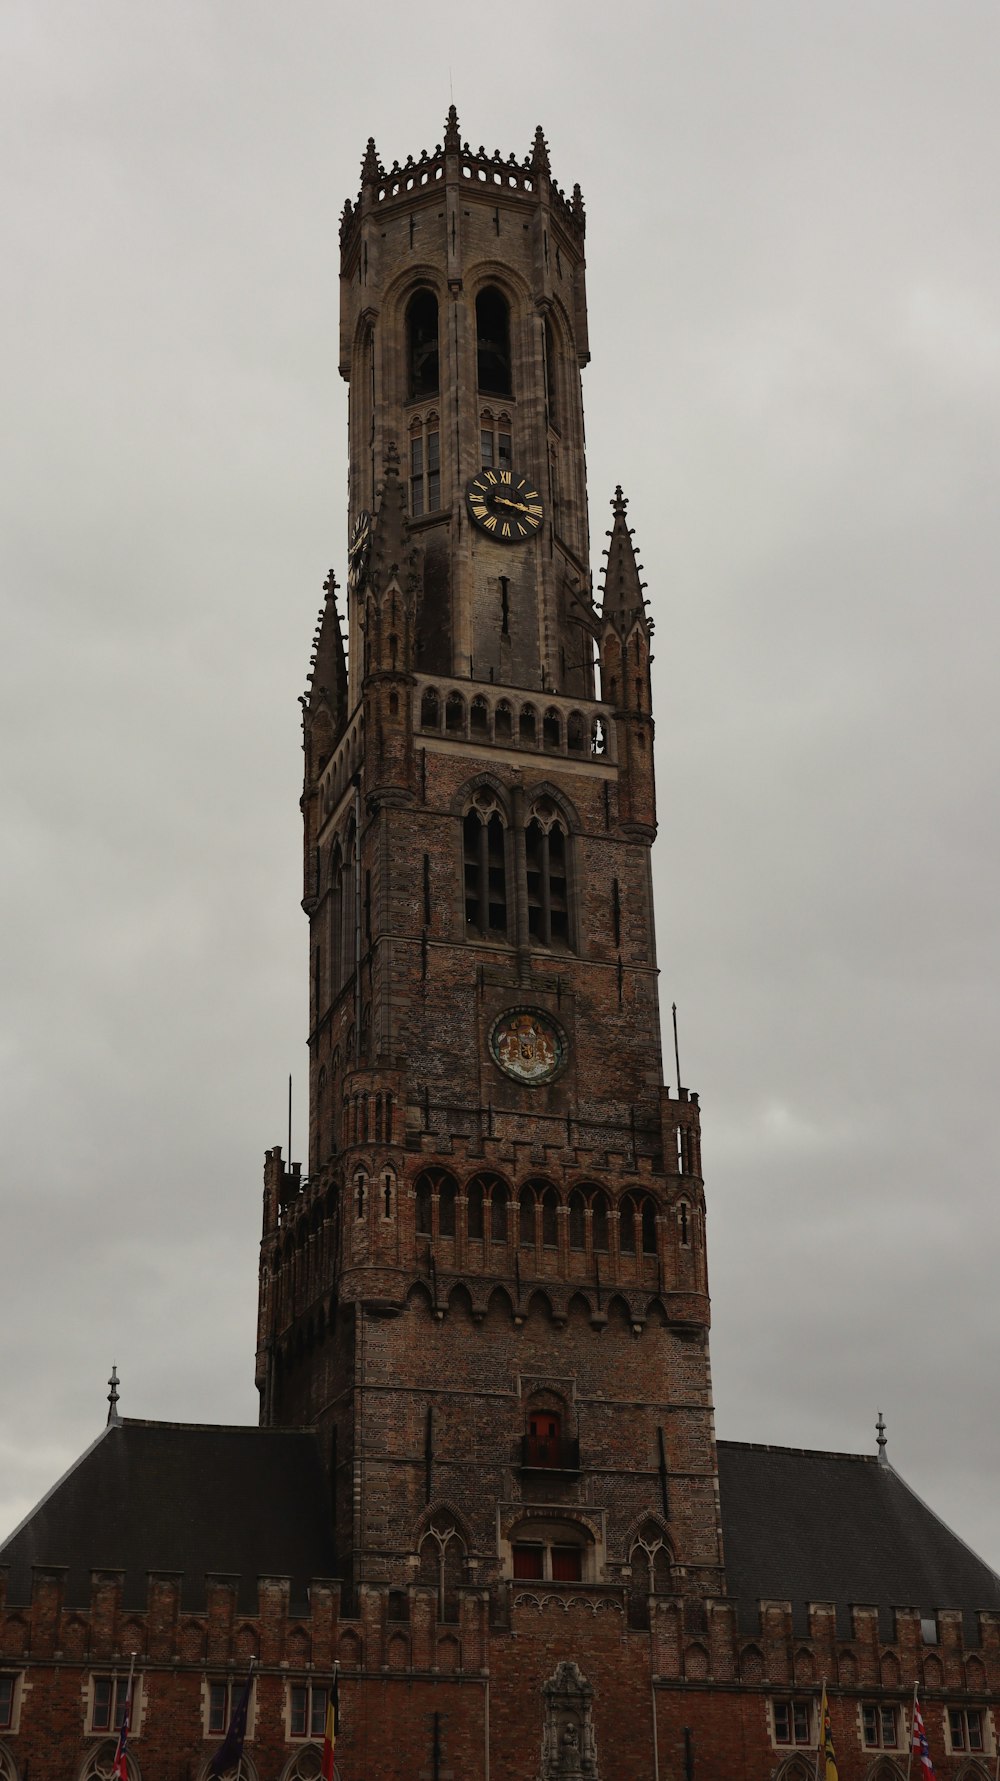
(552, 1454)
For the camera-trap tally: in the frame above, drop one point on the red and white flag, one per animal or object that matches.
(920, 1746)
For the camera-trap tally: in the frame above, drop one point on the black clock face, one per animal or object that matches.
(505, 505)
(358, 551)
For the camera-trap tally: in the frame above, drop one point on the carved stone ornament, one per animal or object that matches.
(568, 1749)
(528, 1045)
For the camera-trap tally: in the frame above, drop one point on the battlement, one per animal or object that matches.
(529, 178)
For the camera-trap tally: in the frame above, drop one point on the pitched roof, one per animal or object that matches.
(805, 1527)
(182, 1497)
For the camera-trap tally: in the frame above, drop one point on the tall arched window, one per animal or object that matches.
(499, 1200)
(442, 1563)
(546, 852)
(422, 359)
(626, 1225)
(550, 375)
(484, 852)
(493, 342)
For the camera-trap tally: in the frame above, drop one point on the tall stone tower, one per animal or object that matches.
(489, 1295)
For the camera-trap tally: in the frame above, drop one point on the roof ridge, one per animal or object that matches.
(218, 1428)
(869, 1459)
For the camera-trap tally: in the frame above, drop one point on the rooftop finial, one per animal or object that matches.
(114, 1420)
(452, 139)
(880, 1427)
(540, 152)
(622, 596)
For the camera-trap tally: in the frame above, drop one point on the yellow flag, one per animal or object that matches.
(826, 1750)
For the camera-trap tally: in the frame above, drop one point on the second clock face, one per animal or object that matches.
(505, 505)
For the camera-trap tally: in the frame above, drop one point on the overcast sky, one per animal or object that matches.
(793, 280)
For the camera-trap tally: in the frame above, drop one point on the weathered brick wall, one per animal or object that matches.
(691, 1668)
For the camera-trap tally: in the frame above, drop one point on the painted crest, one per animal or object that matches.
(528, 1045)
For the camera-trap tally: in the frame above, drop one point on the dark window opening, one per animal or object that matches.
(430, 710)
(504, 606)
(529, 1561)
(550, 374)
(616, 912)
(527, 1219)
(479, 719)
(551, 730)
(503, 723)
(599, 1223)
(423, 1207)
(446, 1208)
(528, 727)
(493, 342)
(454, 715)
(474, 1210)
(498, 1213)
(422, 345)
(648, 1228)
(685, 1234)
(485, 861)
(548, 892)
(567, 1564)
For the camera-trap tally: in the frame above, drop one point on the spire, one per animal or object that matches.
(880, 1427)
(371, 166)
(328, 666)
(114, 1420)
(452, 138)
(540, 152)
(622, 597)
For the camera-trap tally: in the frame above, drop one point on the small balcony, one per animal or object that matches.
(550, 1453)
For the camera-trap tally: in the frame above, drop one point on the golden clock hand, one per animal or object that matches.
(518, 506)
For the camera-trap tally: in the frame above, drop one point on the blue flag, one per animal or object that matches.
(231, 1749)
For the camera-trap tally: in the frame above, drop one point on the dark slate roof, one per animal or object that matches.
(839, 1527)
(164, 1496)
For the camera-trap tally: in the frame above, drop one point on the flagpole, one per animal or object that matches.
(909, 1758)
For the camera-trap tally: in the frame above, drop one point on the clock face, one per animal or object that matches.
(358, 551)
(529, 1046)
(505, 505)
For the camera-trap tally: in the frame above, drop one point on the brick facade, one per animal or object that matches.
(489, 1296)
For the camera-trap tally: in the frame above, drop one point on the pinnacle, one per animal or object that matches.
(452, 138)
(623, 600)
(391, 541)
(540, 152)
(371, 167)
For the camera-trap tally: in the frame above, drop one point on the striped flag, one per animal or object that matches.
(330, 1730)
(826, 1750)
(920, 1746)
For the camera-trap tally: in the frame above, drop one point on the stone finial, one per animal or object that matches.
(540, 152)
(114, 1420)
(452, 138)
(880, 1428)
(370, 167)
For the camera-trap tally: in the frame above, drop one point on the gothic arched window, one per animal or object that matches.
(484, 856)
(442, 1554)
(493, 342)
(422, 359)
(577, 1220)
(546, 850)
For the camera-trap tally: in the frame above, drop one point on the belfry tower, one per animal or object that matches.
(489, 1296)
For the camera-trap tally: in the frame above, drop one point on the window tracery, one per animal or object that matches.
(484, 853)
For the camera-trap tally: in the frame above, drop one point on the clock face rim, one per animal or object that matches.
(489, 479)
(358, 548)
(558, 1038)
